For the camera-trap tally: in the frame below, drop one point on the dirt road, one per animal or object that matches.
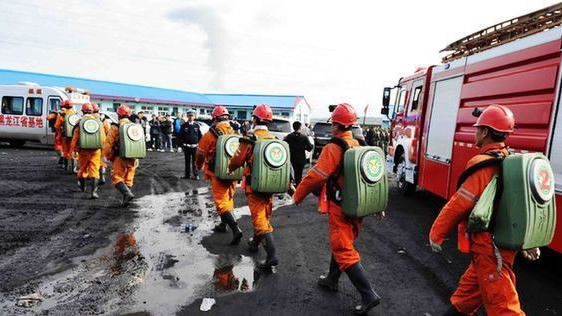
(79, 256)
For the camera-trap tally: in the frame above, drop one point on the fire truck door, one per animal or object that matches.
(555, 155)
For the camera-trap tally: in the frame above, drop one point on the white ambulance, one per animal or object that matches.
(25, 107)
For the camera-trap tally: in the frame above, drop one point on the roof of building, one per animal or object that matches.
(275, 101)
(108, 90)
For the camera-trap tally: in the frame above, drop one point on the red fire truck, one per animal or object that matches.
(516, 63)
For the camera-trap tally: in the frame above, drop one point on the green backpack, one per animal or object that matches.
(365, 183)
(520, 209)
(271, 169)
(227, 145)
(69, 122)
(91, 133)
(131, 141)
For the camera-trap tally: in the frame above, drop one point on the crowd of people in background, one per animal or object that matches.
(377, 136)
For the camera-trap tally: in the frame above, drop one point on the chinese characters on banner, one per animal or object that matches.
(21, 121)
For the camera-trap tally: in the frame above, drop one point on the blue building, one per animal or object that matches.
(152, 100)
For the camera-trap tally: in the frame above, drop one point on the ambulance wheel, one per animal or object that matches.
(17, 143)
(406, 188)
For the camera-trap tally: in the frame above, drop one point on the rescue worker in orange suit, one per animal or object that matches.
(66, 141)
(123, 169)
(106, 129)
(489, 280)
(57, 146)
(222, 190)
(90, 159)
(326, 176)
(261, 205)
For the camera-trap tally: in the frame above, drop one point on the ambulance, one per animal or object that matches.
(25, 107)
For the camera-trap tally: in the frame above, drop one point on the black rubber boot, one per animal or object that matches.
(369, 298)
(61, 161)
(102, 176)
(82, 184)
(271, 260)
(127, 195)
(330, 281)
(452, 311)
(254, 243)
(94, 183)
(229, 219)
(220, 227)
(65, 164)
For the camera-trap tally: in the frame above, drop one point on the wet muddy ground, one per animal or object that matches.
(61, 253)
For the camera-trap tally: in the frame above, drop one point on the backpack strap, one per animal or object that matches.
(496, 160)
(215, 131)
(332, 188)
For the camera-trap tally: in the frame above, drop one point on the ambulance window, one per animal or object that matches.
(34, 106)
(416, 99)
(54, 104)
(12, 105)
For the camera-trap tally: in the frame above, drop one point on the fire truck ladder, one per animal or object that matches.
(505, 32)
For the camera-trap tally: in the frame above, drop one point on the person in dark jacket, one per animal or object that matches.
(299, 144)
(167, 129)
(155, 134)
(189, 136)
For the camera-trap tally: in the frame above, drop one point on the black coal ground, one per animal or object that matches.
(56, 243)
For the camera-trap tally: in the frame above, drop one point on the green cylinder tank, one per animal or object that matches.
(271, 169)
(227, 145)
(131, 141)
(365, 184)
(70, 120)
(526, 215)
(91, 133)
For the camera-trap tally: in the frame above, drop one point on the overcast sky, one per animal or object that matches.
(328, 51)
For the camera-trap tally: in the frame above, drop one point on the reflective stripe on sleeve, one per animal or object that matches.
(467, 194)
(320, 172)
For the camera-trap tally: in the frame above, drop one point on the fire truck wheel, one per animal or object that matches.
(17, 143)
(406, 188)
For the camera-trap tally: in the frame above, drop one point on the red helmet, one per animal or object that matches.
(263, 112)
(344, 114)
(66, 104)
(219, 111)
(123, 110)
(87, 107)
(95, 107)
(497, 117)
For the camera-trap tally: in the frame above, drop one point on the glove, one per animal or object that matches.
(532, 254)
(435, 247)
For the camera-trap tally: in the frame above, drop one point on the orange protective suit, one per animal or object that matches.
(59, 126)
(343, 230)
(90, 159)
(222, 190)
(261, 205)
(53, 116)
(123, 169)
(484, 283)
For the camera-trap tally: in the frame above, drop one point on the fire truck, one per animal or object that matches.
(516, 63)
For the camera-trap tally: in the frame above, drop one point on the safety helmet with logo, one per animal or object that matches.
(123, 111)
(496, 117)
(219, 111)
(263, 112)
(345, 115)
(66, 104)
(95, 108)
(87, 108)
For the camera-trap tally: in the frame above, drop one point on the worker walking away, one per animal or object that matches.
(124, 144)
(188, 138)
(327, 176)
(88, 140)
(65, 123)
(299, 144)
(57, 146)
(222, 190)
(489, 280)
(106, 128)
(260, 204)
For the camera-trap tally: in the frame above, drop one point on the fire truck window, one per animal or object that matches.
(416, 99)
(401, 101)
(34, 106)
(12, 105)
(54, 104)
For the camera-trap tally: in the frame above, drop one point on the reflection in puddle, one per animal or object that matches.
(237, 276)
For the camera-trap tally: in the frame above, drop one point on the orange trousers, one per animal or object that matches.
(123, 170)
(343, 232)
(482, 285)
(261, 208)
(223, 194)
(58, 142)
(90, 160)
(66, 147)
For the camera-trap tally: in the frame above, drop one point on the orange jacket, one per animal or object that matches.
(329, 163)
(207, 147)
(111, 149)
(457, 210)
(245, 152)
(59, 124)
